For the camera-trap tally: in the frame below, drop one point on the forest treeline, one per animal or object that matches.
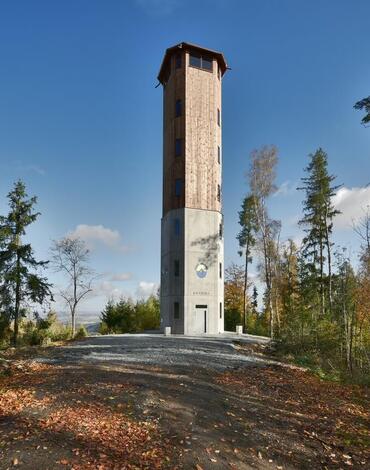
(313, 300)
(315, 303)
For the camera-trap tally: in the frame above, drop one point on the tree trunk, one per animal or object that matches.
(17, 301)
(322, 294)
(73, 315)
(245, 313)
(330, 285)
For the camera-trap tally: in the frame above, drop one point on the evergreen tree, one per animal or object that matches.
(365, 105)
(20, 282)
(288, 288)
(247, 240)
(318, 221)
(255, 300)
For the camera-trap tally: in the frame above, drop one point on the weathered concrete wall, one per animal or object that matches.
(199, 242)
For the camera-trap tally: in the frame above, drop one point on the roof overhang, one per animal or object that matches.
(190, 47)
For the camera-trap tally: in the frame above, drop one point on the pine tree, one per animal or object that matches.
(365, 105)
(19, 269)
(247, 240)
(318, 221)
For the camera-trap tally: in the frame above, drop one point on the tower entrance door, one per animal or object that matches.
(200, 323)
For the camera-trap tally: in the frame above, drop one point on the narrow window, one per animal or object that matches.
(220, 309)
(218, 117)
(177, 227)
(218, 154)
(220, 269)
(220, 230)
(178, 186)
(176, 310)
(176, 268)
(178, 110)
(195, 60)
(218, 193)
(178, 147)
(178, 61)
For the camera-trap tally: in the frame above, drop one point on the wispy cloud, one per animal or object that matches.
(287, 188)
(93, 234)
(119, 277)
(145, 289)
(109, 290)
(31, 168)
(351, 202)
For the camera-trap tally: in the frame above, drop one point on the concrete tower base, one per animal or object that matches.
(192, 272)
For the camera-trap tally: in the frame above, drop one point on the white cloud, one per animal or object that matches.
(108, 290)
(351, 202)
(145, 289)
(98, 233)
(119, 277)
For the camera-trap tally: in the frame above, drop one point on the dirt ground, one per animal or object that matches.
(151, 402)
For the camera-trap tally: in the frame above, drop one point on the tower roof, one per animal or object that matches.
(187, 46)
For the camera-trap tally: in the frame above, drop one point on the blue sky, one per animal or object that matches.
(81, 119)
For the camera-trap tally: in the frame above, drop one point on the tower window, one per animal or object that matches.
(178, 61)
(178, 187)
(176, 266)
(195, 60)
(220, 270)
(220, 230)
(218, 193)
(177, 227)
(176, 310)
(178, 108)
(200, 61)
(178, 147)
(218, 154)
(218, 117)
(220, 309)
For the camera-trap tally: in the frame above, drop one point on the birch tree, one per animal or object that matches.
(261, 178)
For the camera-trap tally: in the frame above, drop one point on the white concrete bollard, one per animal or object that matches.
(167, 331)
(239, 329)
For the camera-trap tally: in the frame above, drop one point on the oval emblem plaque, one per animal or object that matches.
(201, 270)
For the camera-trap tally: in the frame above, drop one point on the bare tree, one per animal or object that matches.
(71, 257)
(362, 228)
(261, 177)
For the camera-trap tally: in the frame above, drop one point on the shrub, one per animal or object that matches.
(125, 316)
(81, 333)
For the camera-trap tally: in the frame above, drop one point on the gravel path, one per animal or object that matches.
(208, 352)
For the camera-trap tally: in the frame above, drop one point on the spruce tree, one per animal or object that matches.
(319, 213)
(365, 105)
(19, 269)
